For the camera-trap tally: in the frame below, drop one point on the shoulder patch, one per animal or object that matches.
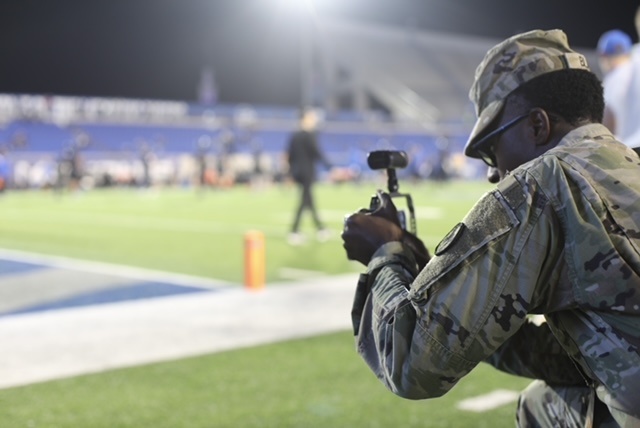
(450, 238)
(491, 217)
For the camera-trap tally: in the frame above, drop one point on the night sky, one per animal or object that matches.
(156, 49)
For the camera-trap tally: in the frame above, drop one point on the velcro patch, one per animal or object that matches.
(450, 238)
(491, 217)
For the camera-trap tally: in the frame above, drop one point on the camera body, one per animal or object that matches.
(390, 160)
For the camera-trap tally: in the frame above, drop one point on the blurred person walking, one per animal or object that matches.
(303, 154)
(226, 149)
(147, 157)
(70, 169)
(203, 147)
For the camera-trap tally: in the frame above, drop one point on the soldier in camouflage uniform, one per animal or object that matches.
(559, 236)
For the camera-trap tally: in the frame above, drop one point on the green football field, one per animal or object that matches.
(184, 231)
(316, 382)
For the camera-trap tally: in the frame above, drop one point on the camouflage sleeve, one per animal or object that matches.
(534, 352)
(421, 334)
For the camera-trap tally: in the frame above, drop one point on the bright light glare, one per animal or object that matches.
(297, 6)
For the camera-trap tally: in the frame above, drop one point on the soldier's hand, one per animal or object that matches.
(364, 233)
(386, 208)
(388, 211)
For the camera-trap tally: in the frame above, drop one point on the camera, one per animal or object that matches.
(390, 160)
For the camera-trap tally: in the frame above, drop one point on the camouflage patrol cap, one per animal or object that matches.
(511, 63)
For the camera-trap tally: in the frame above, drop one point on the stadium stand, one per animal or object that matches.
(408, 91)
(419, 75)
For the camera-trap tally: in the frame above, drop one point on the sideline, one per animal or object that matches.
(48, 345)
(53, 344)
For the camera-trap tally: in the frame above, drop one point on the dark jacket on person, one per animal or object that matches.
(303, 154)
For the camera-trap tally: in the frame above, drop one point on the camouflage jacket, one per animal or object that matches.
(559, 236)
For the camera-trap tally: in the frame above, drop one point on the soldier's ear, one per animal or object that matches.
(540, 126)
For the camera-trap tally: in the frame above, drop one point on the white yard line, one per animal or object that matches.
(111, 269)
(429, 213)
(490, 401)
(293, 273)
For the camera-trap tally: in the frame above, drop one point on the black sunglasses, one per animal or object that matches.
(485, 150)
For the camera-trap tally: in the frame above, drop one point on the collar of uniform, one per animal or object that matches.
(591, 131)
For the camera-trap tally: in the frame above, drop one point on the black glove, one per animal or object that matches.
(366, 231)
(388, 210)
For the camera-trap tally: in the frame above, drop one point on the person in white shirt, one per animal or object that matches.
(620, 63)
